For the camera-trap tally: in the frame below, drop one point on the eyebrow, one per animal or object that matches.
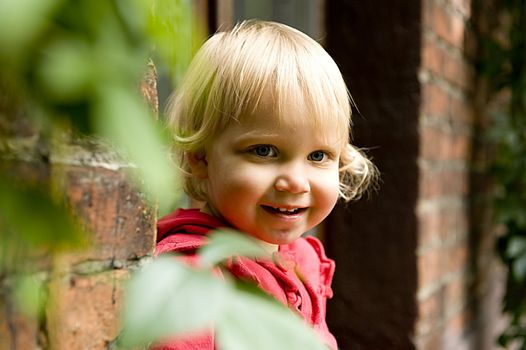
(257, 133)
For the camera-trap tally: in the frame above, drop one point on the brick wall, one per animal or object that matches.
(84, 288)
(445, 128)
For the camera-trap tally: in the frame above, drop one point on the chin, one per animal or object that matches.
(283, 240)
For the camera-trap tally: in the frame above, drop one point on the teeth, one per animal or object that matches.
(284, 210)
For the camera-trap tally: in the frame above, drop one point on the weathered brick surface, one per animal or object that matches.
(446, 131)
(120, 222)
(83, 312)
(442, 144)
(436, 183)
(17, 331)
(86, 286)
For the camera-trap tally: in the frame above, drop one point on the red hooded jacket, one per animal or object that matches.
(299, 276)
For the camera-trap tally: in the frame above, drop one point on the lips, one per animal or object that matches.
(286, 211)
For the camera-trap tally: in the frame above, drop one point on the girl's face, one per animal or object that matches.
(273, 179)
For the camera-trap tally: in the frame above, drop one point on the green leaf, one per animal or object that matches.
(227, 243)
(21, 21)
(516, 247)
(519, 268)
(35, 219)
(29, 295)
(256, 323)
(167, 298)
(174, 33)
(125, 119)
(67, 70)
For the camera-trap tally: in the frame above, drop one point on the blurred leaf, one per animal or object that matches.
(124, 118)
(167, 298)
(516, 247)
(29, 295)
(67, 69)
(256, 323)
(224, 244)
(511, 208)
(519, 268)
(173, 31)
(20, 22)
(36, 219)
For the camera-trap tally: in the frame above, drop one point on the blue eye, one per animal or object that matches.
(264, 151)
(317, 156)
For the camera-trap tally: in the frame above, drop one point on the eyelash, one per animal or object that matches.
(325, 156)
(273, 153)
(272, 149)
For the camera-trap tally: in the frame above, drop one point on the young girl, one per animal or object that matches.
(261, 129)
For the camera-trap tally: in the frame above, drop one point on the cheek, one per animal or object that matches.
(235, 182)
(329, 191)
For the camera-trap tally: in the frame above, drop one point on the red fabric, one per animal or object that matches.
(299, 276)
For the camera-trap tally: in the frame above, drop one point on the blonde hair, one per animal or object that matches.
(228, 77)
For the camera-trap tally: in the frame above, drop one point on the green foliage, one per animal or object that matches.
(224, 244)
(251, 321)
(504, 63)
(167, 298)
(30, 294)
(80, 63)
(175, 35)
(31, 217)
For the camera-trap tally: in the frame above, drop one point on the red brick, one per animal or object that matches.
(440, 20)
(460, 111)
(457, 71)
(431, 341)
(440, 144)
(457, 31)
(427, 13)
(461, 146)
(462, 6)
(432, 56)
(438, 261)
(459, 322)
(17, 331)
(84, 310)
(457, 257)
(440, 224)
(429, 267)
(443, 183)
(430, 312)
(447, 24)
(456, 335)
(456, 294)
(455, 221)
(122, 225)
(429, 228)
(435, 101)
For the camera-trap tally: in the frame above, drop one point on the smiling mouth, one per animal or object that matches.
(283, 211)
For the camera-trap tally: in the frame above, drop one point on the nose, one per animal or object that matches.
(293, 181)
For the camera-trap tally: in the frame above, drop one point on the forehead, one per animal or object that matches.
(292, 118)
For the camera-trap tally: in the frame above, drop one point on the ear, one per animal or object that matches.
(198, 164)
